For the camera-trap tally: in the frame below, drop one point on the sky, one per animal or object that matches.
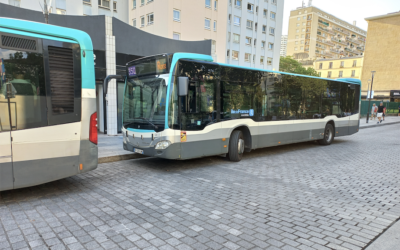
(347, 10)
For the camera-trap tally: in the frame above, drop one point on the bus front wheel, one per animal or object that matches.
(236, 146)
(329, 135)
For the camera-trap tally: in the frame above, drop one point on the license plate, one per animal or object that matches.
(139, 151)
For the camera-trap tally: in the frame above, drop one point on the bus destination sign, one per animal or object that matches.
(132, 71)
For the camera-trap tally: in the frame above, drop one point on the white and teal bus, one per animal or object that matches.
(48, 119)
(183, 106)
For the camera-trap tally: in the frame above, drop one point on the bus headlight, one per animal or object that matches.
(163, 144)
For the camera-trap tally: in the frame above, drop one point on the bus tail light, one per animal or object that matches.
(93, 128)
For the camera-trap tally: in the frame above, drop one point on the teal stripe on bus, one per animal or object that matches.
(57, 33)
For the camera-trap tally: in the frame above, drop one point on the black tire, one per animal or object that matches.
(235, 151)
(329, 135)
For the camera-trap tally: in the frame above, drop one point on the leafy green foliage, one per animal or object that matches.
(290, 65)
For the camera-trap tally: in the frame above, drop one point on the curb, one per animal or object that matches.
(377, 125)
(115, 158)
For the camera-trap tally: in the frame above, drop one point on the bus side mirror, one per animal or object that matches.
(183, 85)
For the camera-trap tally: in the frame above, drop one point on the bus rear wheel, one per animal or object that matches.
(329, 135)
(236, 146)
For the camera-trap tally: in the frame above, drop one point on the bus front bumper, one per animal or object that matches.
(171, 152)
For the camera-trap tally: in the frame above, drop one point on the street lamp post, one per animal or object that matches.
(369, 102)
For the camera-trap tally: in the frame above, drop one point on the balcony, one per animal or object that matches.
(360, 48)
(330, 43)
(328, 54)
(335, 51)
(361, 39)
(323, 23)
(348, 49)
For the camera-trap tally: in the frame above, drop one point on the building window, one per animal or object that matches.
(330, 65)
(295, 48)
(215, 25)
(302, 42)
(247, 57)
(134, 22)
(254, 58)
(262, 44)
(177, 15)
(255, 42)
(303, 30)
(61, 11)
(255, 26)
(271, 31)
(142, 21)
(115, 6)
(298, 24)
(269, 61)
(149, 1)
(142, 2)
(84, 1)
(273, 15)
(207, 23)
(229, 18)
(227, 53)
(298, 19)
(304, 17)
(250, 7)
(235, 55)
(265, 12)
(16, 3)
(264, 28)
(353, 73)
(176, 36)
(257, 10)
(261, 60)
(342, 64)
(248, 40)
(297, 37)
(134, 4)
(208, 3)
(329, 74)
(319, 74)
(229, 36)
(302, 36)
(236, 38)
(270, 46)
(249, 24)
(236, 20)
(238, 3)
(304, 24)
(104, 3)
(273, 1)
(355, 63)
(340, 73)
(320, 66)
(297, 42)
(150, 19)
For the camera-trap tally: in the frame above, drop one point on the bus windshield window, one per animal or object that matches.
(144, 103)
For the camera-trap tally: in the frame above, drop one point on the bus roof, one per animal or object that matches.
(207, 58)
(42, 30)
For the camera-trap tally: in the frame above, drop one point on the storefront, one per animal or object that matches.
(395, 96)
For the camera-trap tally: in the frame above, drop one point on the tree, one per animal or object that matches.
(290, 65)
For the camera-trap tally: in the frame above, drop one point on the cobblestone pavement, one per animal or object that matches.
(301, 196)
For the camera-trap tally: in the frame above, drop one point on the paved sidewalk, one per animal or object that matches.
(110, 149)
(373, 123)
(389, 240)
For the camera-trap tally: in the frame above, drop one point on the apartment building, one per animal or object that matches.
(346, 67)
(283, 45)
(77, 7)
(382, 56)
(315, 34)
(243, 32)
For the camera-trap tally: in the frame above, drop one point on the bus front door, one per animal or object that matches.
(6, 167)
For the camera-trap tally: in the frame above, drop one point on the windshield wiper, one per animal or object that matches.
(149, 122)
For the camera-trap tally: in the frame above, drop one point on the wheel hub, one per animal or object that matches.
(241, 146)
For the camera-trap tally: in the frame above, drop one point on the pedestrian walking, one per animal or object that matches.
(384, 113)
(380, 112)
(374, 110)
(399, 111)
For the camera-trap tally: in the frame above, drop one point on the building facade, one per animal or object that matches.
(346, 67)
(243, 32)
(77, 7)
(315, 34)
(382, 56)
(283, 45)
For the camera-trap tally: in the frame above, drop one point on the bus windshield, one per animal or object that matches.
(144, 103)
